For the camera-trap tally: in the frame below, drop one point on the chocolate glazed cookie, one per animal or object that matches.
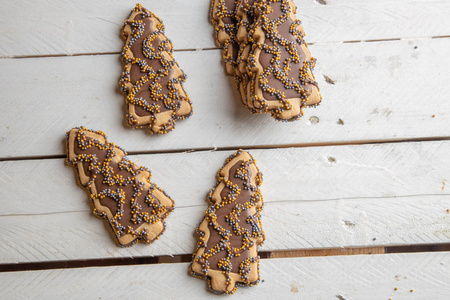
(231, 231)
(120, 191)
(151, 80)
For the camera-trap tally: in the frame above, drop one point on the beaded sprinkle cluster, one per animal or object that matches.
(264, 49)
(151, 80)
(231, 231)
(120, 191)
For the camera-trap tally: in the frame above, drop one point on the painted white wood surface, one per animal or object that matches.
(311, 174)
(381, 93)
(316, 197)
(288, 225)
(319, 197)
(71, 27)
(351, 277)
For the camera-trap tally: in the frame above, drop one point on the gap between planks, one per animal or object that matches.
(256, 147)
(217, 48)
(184, 258)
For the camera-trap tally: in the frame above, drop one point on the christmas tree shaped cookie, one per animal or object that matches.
(231, 230)
(120, 191)
(151, 80)
(278, 62)
(264, 50)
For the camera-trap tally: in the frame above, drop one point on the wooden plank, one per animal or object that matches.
(71, 27)
(294, 174)
(366, 195)
(378, 94)
(396, 276)
(288, 225)
(351, 20)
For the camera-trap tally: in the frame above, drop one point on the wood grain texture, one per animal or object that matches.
(370, 195)
(310, 225)
(309, 174)
(72, 27)
(341, 277)
(288, 225)
(379, 94)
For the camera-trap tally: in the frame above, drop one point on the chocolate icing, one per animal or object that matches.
(152, 80)
(120, 191)
(231, 231)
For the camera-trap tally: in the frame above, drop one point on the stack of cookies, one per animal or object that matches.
(120, 191)
(264, 50)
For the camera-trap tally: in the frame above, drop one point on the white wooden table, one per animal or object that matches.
(366, 172)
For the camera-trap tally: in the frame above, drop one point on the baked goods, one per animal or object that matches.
(120, 191)
(272, 63)
(231, 231)
(151, 80)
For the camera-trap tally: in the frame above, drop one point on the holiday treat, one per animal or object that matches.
(263, 48)
(231, 231)
(151, 80)
(120, 191)
(245, 16)
(278, 62)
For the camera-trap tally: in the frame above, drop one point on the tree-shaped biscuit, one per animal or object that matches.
(120, 191)
(231, 231)
(277, 60)
(151, 80)
(264, 50)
